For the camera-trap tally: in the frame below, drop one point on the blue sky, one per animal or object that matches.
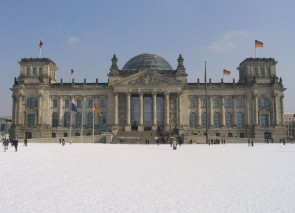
(83, 35)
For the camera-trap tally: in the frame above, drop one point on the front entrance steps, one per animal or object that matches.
(135, 137)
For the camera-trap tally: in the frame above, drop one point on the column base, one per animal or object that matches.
(127, 128)
(140, 128)
(154, 127)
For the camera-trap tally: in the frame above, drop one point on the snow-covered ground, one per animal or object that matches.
(148, 178)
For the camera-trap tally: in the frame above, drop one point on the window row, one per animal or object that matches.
(67, 103)
(77, 121)
(217, 120)
(34, 71)
(264, 120)
(228, 102)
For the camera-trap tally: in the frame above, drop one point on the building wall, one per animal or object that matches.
(260, 91)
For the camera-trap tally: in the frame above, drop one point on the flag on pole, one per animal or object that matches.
(40, 44)
(226, 72)
(95, 109)
(74, 107)
(258, 44)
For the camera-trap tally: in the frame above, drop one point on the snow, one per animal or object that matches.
(148, 178)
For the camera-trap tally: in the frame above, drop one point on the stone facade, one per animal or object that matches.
(149, 97)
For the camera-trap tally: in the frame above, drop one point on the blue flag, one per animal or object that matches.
(74, 107)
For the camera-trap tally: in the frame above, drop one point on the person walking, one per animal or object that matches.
(252, 142)
(15, 144)
(249, 141)
(174, 144)
(26, 142)
(5, 144)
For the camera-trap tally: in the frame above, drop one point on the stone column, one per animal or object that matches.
(14, 122)
(211, 123)
(20, 119)
(199, 116)
(84, 118)
(154, 127)
(255, 110)
(128, 110)
(222, 112)
(40, 108)
(282, 110)
(275, 110)
(116, 109)
(234, 111)
(179, 111)
(140, 126)
(246, 108)
(60, 111)
(167, 111)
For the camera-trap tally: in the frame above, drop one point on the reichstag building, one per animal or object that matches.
(148, 95)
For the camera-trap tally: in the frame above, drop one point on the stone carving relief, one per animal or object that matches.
(148, 79)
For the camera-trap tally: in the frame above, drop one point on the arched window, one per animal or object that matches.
(204, 120)
(192, 120)
(228, 120)
(240, 119)
(89, 120)
(78, 120)
(67, 119)
(54, 119)
(263, 102)
(216, 119)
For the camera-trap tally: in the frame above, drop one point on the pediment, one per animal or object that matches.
(148, 78)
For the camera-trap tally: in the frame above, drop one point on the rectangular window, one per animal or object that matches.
(2, 127)
(67, 103)
(193, 103)
(40, 71)
(31, 120)
(217, 103)
(204, 103)
(102, 103)
(79, 103)
(34, 71)
(90, 103)
(54, 103)
(264, 120)
(28, 71)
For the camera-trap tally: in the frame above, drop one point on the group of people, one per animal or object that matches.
(14, 142)
(62, 141)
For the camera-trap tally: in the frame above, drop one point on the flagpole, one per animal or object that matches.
(93, 123)
(206, 98)
(82, 111)
(40, 52)
(71, 125)
(255, 51)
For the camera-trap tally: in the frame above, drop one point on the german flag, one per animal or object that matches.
(226, 72)
(95, 109)
(40, 44)
(258, 44)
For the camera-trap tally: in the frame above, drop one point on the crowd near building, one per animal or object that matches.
(148, 95)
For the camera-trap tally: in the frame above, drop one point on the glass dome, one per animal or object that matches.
(147, 61)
